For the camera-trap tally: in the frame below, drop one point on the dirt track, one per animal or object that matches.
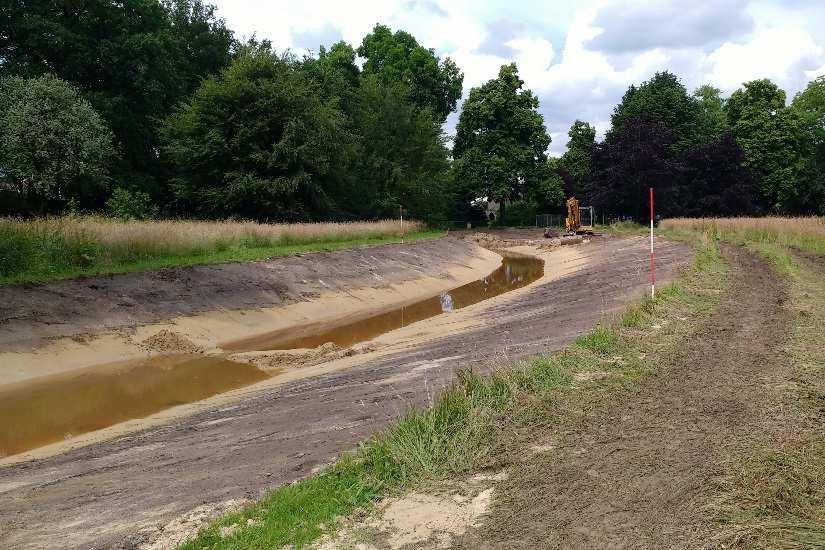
(639, 472)
(117, 493)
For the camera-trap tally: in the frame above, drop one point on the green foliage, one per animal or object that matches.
(53, 144)
(548, 193)
(44, 251)
(810, 104)
(773, 137)
(662, 98)
(398, 58)
(401, 161)
(501, 142)
(256, 140)
(131, 205)
(134, 60)
(712, 122)
(575, 162)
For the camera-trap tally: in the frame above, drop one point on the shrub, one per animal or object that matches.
(131, 205)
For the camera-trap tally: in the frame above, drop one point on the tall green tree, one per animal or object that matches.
(774, 139)
(402, 159)
(574, 164)
(712, 122)
(53, 145)
(810, 104)
(663, 98)
(256, 141)
(394, 58)
(132, 59)
(337, 74)
(500, 148)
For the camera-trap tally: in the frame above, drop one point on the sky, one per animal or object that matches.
(578, 56)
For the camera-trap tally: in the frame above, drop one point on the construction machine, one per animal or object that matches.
(573, 222)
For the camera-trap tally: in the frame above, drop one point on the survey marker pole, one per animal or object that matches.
(652, 257)
(401, 214)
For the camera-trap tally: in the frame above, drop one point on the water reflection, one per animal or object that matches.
(513, 273)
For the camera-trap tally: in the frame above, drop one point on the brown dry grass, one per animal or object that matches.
(182, 236)
(45, 248)
(805, 233)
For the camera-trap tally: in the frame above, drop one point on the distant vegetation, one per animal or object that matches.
(154, 109)
(48, 248)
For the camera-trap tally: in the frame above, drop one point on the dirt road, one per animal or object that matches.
(640, 471)
(118, 493)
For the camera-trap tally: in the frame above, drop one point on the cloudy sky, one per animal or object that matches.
(579, 56)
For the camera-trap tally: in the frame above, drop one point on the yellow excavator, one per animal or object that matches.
(573, 223)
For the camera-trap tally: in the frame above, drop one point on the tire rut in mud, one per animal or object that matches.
(640, 470)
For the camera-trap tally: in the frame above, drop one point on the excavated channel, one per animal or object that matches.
(514, 272)
(52, 408)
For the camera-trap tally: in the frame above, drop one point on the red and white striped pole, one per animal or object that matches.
(652, 257)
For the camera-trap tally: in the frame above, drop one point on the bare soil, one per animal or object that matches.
(640, 470)
(121, 493)
(31, 313)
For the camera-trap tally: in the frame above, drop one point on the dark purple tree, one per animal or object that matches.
(716, 181)
(633, 158)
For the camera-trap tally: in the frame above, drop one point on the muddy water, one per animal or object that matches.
(514, 272)
(48, 409)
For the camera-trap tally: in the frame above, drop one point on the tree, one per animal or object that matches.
(574, 164)
(773, 137)
(501, 142)
(398, 58)
(717, 182)
(665, 99)
(336, 73)
(548, 194)
(53, 144)
(256, 141)
(402, 159)
(810, 104)
(631, 159)
(712, 122)
(132, 59)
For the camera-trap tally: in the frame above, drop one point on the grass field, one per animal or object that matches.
(804, 233)
(53, 248)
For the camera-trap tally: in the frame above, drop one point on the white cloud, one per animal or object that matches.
(779, 53)
(578, 57)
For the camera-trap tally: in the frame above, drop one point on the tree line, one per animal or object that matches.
(147, 108)
(144, 108)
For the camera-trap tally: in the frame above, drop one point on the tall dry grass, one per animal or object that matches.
(806, 233)
(63, 246)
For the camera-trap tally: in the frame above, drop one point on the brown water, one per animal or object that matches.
(37, 412)
(514, 272)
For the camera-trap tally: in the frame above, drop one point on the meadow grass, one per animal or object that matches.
(42, 249)
(472, 424)
(804, 233)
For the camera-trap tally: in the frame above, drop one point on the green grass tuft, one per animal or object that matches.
(601, 340)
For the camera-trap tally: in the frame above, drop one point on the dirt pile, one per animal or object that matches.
(494, 241)
(167, 341)
(292, 358)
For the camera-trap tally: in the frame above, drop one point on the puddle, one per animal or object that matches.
(52, 408)
(514, 272)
